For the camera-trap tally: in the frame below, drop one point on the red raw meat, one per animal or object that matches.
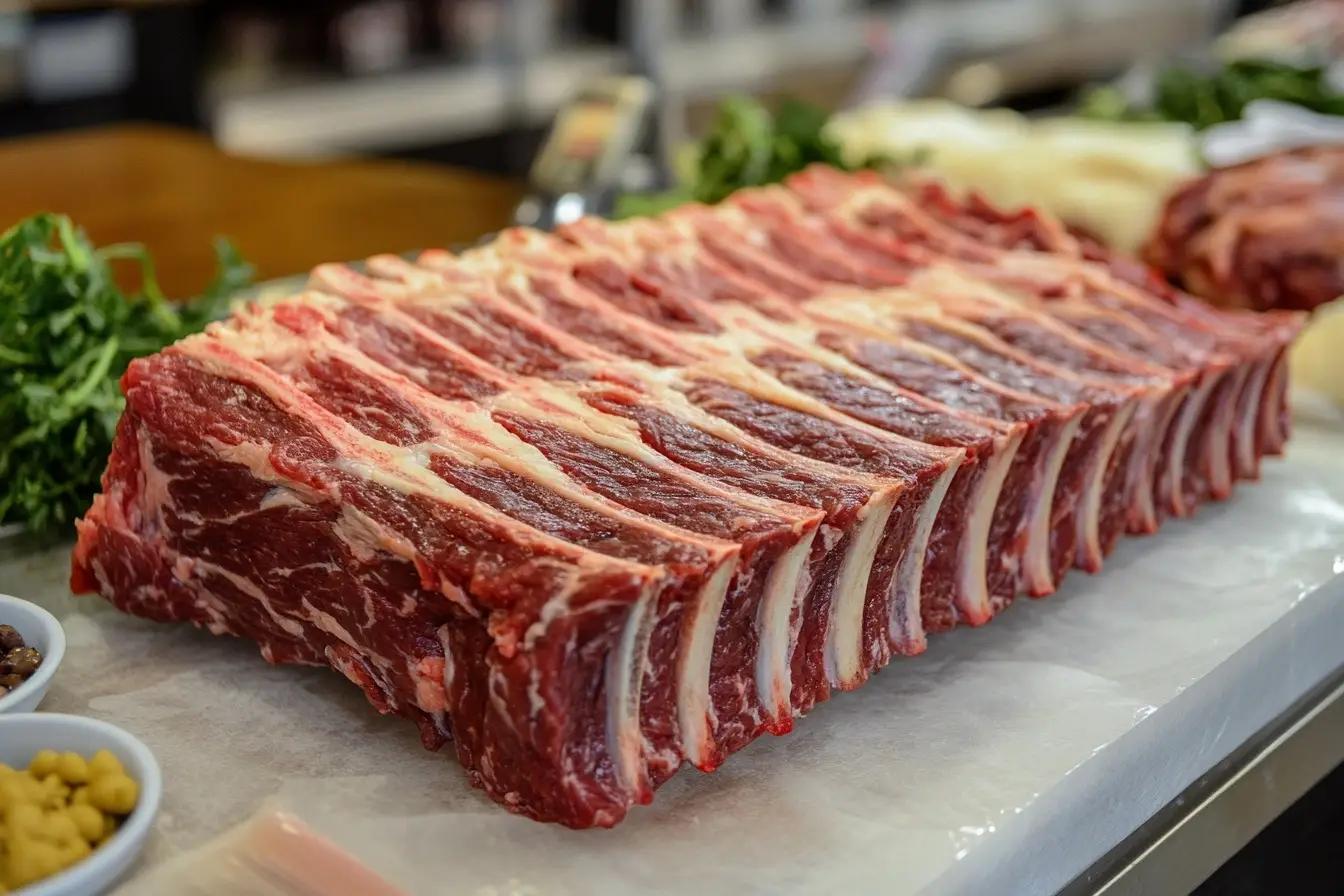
(1265, 234)
(599, 503)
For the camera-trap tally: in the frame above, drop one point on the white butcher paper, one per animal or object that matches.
(1015, 754)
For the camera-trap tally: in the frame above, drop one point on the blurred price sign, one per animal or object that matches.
(593, 136)
(586, 156)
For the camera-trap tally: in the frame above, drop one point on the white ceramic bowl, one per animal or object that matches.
(23, 736)
(40, 630)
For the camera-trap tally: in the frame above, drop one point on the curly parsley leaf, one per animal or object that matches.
(1203, 99)
(749, 147)
(67, 333)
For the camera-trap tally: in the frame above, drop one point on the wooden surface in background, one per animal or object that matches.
(174, 192)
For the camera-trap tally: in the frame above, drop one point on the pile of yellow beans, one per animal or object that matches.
(57, 811)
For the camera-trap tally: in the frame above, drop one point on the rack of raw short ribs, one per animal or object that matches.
(596, 503)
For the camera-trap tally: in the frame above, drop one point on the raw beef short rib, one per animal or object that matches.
(596, 504)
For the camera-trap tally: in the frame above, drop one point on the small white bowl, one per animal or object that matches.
(23, 736)
(40, 630)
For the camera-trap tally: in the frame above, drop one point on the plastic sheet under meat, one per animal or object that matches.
(1015, 754)
(274, 853)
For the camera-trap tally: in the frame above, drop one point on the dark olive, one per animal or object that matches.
(9, 639)
(22, 661)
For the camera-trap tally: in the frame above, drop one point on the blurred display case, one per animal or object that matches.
(505, 66)
(76, 63)
(478, 81)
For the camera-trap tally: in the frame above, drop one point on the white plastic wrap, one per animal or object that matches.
(1014, 754)
(274, 853)
(1267, 127)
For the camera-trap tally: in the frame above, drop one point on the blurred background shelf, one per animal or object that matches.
(475, 81)
(437, 102)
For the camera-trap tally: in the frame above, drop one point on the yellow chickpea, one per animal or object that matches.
(114, 794)
(56, 792)
(104, 763)
(24, 820)
(89, 821)
(26, 789)
(12, 792)
(55, 812)
(74, 852)
(44, 763)
(72, 768)
(60, 828)
(31, 861)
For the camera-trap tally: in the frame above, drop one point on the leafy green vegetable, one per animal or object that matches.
(67, 333)
(748, 147)
(646, 205)
(1204, 100)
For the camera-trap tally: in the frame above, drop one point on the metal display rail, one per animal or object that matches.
(1222, 812)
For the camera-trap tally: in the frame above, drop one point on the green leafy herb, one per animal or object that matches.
(646, 205)
(67, 333)
(748, 147)
(1204, 100)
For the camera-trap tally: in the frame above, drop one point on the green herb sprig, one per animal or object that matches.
(749, 147)
(67, 333)
(1204, 100)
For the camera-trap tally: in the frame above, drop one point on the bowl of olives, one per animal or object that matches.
(79, 797)
(32, 644)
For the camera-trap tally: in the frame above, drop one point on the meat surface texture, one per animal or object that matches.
(1264, 234)
(596, 504)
